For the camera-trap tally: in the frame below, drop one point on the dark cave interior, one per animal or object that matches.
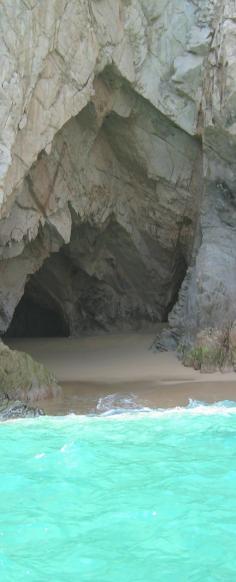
(37, 318)
(96, 283)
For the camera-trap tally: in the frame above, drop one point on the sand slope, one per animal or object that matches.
(113, 358)
(102, 372)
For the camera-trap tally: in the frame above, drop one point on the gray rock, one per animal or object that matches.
(128, 221)
(17, 409)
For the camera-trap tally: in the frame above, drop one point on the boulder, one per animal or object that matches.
(22, 378)
(17, 409)
(212, 351)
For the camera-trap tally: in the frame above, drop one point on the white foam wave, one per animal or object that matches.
(115, 401)
(194, 408)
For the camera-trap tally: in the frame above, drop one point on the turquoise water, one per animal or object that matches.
(133, 497)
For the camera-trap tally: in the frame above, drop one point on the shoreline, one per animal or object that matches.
(120, 368)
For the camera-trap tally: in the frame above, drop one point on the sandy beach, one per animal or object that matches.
(106, 371)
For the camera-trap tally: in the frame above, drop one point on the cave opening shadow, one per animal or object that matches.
(33, 319)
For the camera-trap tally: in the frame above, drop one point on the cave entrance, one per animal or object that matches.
(98, 283)
(37, 315)
(121, 181)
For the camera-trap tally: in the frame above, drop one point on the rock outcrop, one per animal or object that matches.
(117, 166)
(207, 297)
(22, 378)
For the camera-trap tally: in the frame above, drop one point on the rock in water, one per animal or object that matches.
(10, 410)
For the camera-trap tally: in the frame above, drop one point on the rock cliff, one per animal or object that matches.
(117, 165)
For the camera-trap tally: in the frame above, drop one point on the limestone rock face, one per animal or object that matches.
(207, 296)
(133, 207)
(117, 165)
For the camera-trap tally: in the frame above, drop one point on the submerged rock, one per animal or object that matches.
(22, 378)
(17, 409)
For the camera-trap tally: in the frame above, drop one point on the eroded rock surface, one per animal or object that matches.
(131, 207)
(118, 164)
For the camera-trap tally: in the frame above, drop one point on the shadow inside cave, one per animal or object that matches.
(97, 283)
(34, 318)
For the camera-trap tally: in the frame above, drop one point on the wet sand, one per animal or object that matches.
(98, 373)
